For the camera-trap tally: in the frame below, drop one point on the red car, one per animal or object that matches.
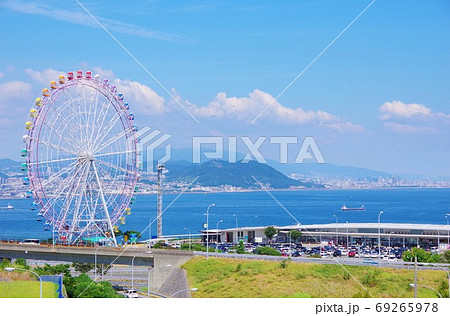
(351, 253)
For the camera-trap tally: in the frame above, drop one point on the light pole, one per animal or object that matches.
(347, 236)
(379, 237)
(217, 236)
(148, 278)
(132, 267)
(189, 232)
(337, 241)
(194, 289)
(389, 245)
(207, 230)
(237, 239)
(95, 263)
(447, 216)
(150, 229)
(11, 269)
(412, 285)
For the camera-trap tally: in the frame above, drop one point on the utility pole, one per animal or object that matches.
(415, 277)
(159, 202)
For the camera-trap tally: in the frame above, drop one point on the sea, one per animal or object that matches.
(186, 213)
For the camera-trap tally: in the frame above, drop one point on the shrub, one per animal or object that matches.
(21, 263)
(370, 278)
(284, 263)
(346, 275)
(421, 254)
(268, 251)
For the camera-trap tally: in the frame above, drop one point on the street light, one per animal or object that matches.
(337, 241)
(189, 237)
(148, 279)
(207, 230)
(194, 289)
(379, 237)
(389, 244)
(447, 216)
(237, 239)
(11, 269)
(95, 263)
(347, 237)
(132, 267)
(427, 287)
(150, 228)
(217, 236)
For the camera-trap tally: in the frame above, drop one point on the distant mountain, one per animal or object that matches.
(8, 165)
(309, 169)
(216, 173)
(328, 170)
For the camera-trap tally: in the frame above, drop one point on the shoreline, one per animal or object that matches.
(274, 190)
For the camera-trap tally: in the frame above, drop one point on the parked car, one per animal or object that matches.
(131, 294)
(351, 254)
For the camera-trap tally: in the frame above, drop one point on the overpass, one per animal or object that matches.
(143, 256)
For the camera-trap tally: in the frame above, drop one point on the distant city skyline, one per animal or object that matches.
(377, 98)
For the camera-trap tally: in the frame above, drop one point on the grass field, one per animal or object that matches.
(218, 277)
(16, 289)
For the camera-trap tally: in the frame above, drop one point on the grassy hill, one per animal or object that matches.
(219, 172)
(218, 277)
(27, 289)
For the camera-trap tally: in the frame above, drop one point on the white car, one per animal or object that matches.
(31, 242)
(131, 294)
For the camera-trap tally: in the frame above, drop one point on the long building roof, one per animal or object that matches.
(333, 226)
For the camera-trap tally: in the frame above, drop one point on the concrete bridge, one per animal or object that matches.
(165, 280)
(143, 256)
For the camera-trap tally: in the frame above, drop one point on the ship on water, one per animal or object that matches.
(9, 207)
(358, 209)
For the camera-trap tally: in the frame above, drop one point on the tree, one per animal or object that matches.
(445, 257)
(295, 234)
(83, 286)
(21, 263)
(421, 254)
(102, 269)
(83, 267)
(54, 270)
(270, 232)
(240, 248)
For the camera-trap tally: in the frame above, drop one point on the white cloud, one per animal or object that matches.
(44, 77)
(400, 110)
(2, 75)
(15, 89)
(144, 100)
(141, 97)
(408, 128)
(412, 118)
(81, 18)
(247, 108)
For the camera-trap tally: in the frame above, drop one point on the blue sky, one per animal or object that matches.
(377, 98)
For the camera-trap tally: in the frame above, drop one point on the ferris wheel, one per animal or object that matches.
(81, 158)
